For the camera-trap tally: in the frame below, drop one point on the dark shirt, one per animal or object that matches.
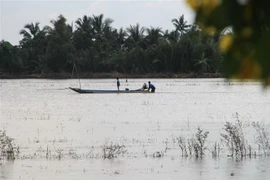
(118, 83)
(151, 86)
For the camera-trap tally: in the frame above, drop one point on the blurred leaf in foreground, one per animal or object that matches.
(245, 47)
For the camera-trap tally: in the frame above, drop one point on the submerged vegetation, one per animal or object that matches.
(262, 138)
(234, 138)
(7, 149)
(195, 145)
(95, 46)
(233, 143)
(113, 150)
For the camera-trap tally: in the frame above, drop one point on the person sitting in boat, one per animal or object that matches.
(144, 86)
(151, 87)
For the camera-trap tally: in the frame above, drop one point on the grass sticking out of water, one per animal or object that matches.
(113, 150)
(7, 149)
(233, 141)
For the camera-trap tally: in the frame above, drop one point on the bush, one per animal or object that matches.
(113, 150)
(6, 147)
(234, 138)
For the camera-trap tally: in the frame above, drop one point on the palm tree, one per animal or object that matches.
(121, 35)
(135, 35)
(34, 43)
(61, 28)
(203, 63)
(84, 34)
(104, 36)
(180, 25)
(30, 31)
(152, 39)
(172, 37)
(84, 24)
(99, 24)
(153, 35)
(194, 34)
(60, 50)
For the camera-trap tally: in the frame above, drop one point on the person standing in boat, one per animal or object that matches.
(117, 83)
(151, 87)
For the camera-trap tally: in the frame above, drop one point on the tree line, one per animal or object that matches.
(94, 45)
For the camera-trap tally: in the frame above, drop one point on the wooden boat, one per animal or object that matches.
(89, 91)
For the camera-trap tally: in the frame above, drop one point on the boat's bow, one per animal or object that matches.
(76, 90)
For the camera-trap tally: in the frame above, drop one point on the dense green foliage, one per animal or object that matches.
(95, 46)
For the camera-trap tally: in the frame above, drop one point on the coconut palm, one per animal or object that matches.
(153, 35)
(152, 38)
(103, 33)
(100, 24)
(30, 35)
(84, 24)
(121, 35)
(34, 43)
(172, 36)
(60, 50)
(135, 35)
(193, 35)
(61, 28)
(203, 63)
(30, 31)
(84, 34)
(181, 25)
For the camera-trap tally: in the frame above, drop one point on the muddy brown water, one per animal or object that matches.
(60, 134)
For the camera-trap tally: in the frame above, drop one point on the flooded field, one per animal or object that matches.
(64, 135)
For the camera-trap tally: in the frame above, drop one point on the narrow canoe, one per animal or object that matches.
(89, 91)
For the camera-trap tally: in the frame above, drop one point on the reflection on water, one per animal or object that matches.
(138, 168)
(6, 169)
(46, 119)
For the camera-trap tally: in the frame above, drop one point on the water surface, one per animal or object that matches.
(45, 116)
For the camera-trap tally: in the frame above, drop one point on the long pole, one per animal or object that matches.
(74, 65)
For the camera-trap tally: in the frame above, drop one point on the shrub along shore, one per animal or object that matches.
(84, 75)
